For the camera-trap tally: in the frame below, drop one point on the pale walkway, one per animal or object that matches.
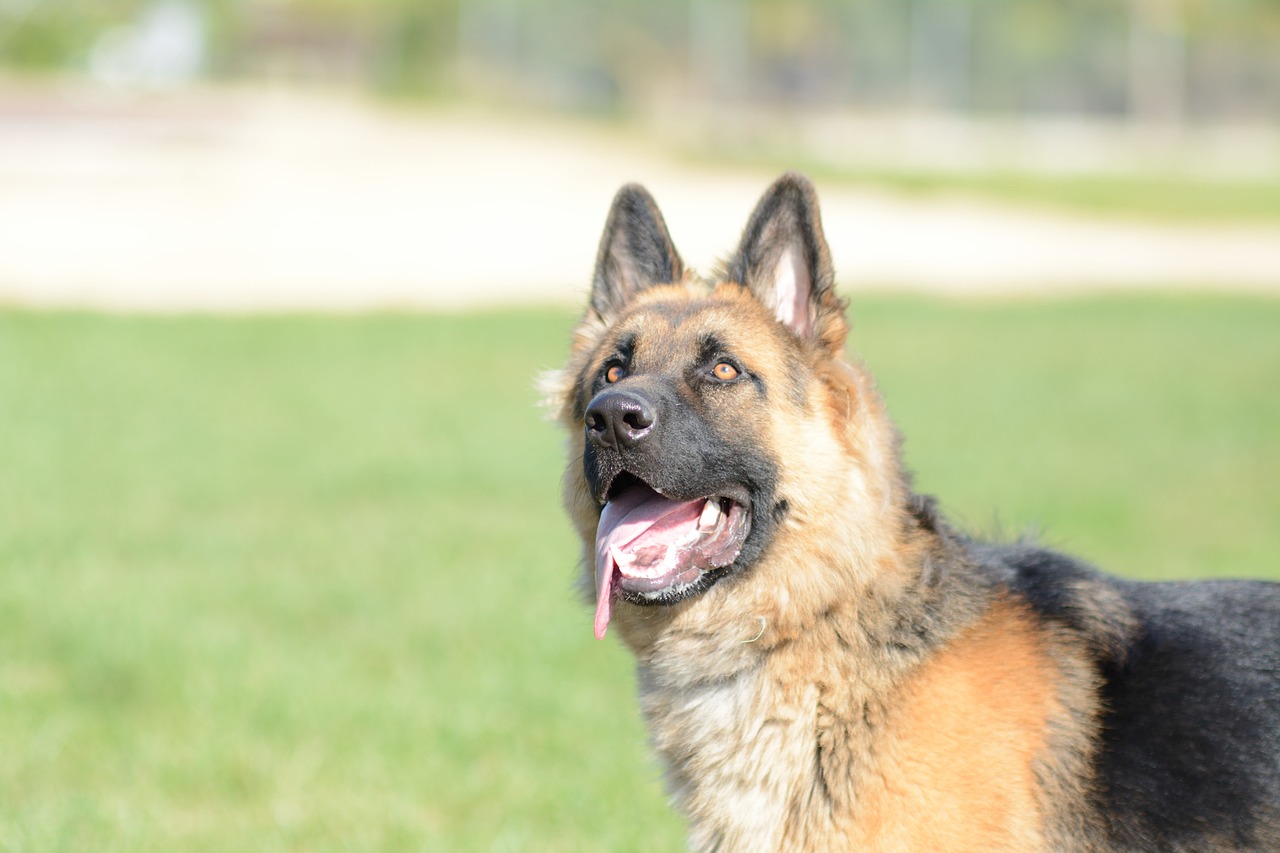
(251, 202)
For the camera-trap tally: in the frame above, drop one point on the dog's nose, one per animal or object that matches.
(619, 419)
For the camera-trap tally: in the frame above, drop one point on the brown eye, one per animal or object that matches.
(724, 371)
(613, 374)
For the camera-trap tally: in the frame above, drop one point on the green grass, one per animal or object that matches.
(1159, 197)
(302, 583)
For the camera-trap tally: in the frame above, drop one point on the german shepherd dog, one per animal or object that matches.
(825, 664)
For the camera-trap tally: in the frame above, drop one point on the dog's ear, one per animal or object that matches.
(635, 252)
(783, 259)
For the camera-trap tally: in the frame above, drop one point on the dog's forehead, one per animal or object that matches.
(671, 327)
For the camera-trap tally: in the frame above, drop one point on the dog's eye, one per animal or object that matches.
(725, 372)
(613, 374)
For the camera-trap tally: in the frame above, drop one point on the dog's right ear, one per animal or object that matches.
(783, 259)
(635, 252)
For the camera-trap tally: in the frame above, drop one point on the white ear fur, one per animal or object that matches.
(790, 294)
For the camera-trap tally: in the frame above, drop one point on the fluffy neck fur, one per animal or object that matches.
(765, 734)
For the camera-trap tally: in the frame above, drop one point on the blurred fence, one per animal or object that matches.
(1168, 61)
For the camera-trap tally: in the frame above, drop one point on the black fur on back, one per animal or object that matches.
(1189, 752)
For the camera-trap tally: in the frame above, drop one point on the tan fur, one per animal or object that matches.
(809, 745)
(958, 771)
(786, 714)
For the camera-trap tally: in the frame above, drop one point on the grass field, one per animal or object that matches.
(302, 583)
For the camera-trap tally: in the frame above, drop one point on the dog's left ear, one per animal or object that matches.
(783, 259)
(636, 252)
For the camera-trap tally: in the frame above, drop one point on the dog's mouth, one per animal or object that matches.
(651, 549)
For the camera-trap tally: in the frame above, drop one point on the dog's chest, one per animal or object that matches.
(801, 753)
(739, 752)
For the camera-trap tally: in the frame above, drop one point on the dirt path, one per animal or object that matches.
(251, 202)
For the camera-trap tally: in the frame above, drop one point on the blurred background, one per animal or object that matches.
(326, 153)
(281, 561)
(1165, 61)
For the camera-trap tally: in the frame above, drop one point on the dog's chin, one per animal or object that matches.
(670, 589)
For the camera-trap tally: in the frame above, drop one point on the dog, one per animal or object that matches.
(824, 663)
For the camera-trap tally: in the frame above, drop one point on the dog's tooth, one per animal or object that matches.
(710, 514)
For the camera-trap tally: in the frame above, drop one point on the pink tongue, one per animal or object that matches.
(638, 516)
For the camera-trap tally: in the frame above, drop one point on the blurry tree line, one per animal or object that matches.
(1151, 59)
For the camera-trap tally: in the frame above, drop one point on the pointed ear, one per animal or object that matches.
(783, 259)
(635, 252)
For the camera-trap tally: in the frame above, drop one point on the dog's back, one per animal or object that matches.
(1188, 750)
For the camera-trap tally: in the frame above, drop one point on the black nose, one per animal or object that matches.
(619, 419)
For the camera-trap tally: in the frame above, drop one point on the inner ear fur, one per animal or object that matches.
(636, 252)
(784, 261)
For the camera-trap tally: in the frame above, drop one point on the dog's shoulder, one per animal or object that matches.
(1188, 699)
(1066, 593)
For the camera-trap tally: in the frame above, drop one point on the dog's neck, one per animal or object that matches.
(753, 715)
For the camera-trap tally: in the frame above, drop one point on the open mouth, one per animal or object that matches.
(654, 550)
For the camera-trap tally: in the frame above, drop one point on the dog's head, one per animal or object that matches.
(712, 423)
